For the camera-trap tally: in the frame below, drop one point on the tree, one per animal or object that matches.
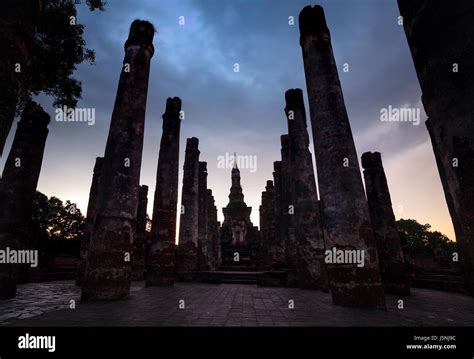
(39, 54)
(55, 227)
(420, 237)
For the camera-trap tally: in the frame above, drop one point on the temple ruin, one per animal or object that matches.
(321, 232)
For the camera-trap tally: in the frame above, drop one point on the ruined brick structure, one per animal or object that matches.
(212, 231)
(439, 36)
(268, 225)
(238, 236)
(204, 238)
(108, 272)
(187, 258)
(346, 215)
(18, 188)
(161, 253)
(311, 268)
(17, 29)
(288, 246)
(90, 219)
(392, 264)
(139, 238)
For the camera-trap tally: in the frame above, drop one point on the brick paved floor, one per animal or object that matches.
(226, 305)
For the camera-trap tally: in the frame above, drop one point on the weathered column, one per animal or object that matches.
(288, 213)
(312, 272)
(278, 190)
(18, 188)
(443, 58)
(204, 245)
(268, 224)
(347, 224)
(161, 254)
(263, 215)
(139, 238)
(219, 247)
(17, 28)
(276, 255)
(108, 272)
(212, 230)
(391, 261)
(187, 261)
(90, 219)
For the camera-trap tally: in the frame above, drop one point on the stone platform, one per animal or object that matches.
(47, 304)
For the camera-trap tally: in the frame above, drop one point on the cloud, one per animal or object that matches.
(243, 111)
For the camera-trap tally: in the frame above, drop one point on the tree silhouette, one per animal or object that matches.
(419, 237)
(39, 54)
(56, 227)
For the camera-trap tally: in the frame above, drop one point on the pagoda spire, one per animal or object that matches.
(236, 194)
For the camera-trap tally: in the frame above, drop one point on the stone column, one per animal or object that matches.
(108, 272)
(263, 215)
(268, 224)
(17, 28)
(219, 247)
(346, 213)
(187, 261)
(18, 188)
(161, 254)
(391, 261)
(90, 219)
(287, 217)
(277, 211)
(312, 272)
(212, 230)
(275, 249)
(437, 34)
(204, 245)
(139, 238)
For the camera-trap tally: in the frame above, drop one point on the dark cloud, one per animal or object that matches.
(230, 111)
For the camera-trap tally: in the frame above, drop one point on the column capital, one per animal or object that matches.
(312, 21)
(141, 34)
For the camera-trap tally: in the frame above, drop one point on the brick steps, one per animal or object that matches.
(446, 279)
(239, 277)
(52, 276)
(237, 268)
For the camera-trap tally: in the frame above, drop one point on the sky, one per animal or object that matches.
(242, 111)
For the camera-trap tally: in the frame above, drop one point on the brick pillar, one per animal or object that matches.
(263, 215)
(161, 260)
(90, 219)
(268, 224)
(392, 264)
(108, 272)
(204, 244)
(275, 249)
(312, 272)
(187, 260)
(438, 36)
(17, 29)
(212, 231)
(347, 224)
(18, 188)
(219, 247)
(139, 238)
